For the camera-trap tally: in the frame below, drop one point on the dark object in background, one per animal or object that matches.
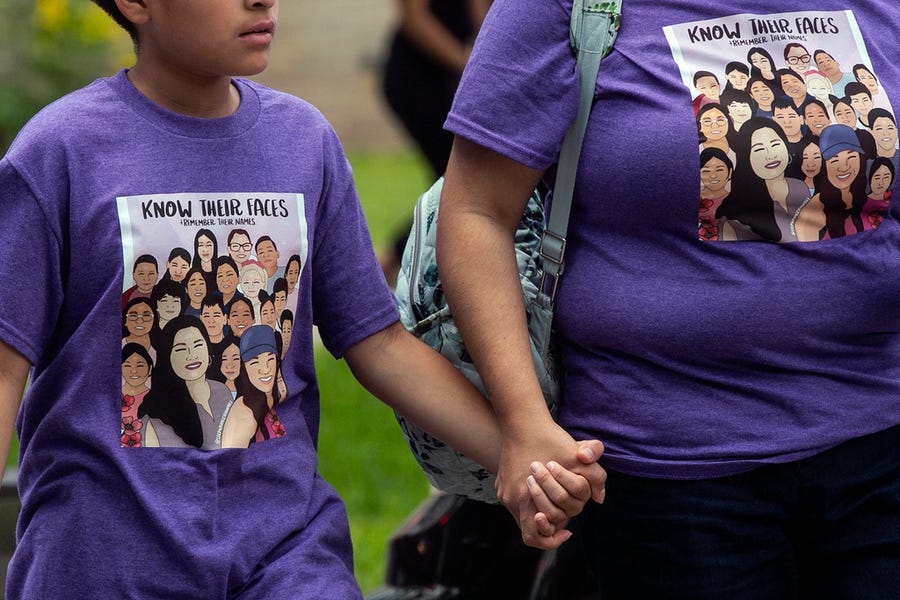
(454, 548)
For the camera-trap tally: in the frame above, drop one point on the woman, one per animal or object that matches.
(762, 66)
(267, 310)
(715, 177)
(811, 161)
(227, 280)
(184, 408)
(836, 209)
(177, 265)
(845, 114)
(138, 321)
(764, 202)
(206, 249)
(241, 316)
(865, 76)
(287, 328)
(763, 94)
(231, 365)
(739, 105)
(253, 280)
(714, 128)
(292, 276)
(137, 367)
(252, 418)
(195, 286)
(881, 177)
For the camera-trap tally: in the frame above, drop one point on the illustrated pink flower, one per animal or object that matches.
(127, 401)
(131, 425)
(131, 440)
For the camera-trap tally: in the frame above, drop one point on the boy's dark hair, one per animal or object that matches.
(109, 6)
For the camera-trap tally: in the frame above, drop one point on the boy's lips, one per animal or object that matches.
(260, 32)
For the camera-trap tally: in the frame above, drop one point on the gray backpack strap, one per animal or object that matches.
(592, 32)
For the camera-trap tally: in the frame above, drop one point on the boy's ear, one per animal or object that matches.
(136, 11)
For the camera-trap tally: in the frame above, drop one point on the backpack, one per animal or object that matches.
(539, 245)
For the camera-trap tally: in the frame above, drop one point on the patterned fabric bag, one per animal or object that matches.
(539, 254)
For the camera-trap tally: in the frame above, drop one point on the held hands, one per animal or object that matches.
(548, 492)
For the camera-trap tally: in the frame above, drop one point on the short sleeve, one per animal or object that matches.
(351, 299)
(518, 92)
(30, 268)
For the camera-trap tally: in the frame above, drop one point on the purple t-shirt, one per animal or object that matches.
(699, 356)
(96, 180)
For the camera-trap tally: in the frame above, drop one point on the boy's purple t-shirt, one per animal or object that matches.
(95, 180)
(689, 354)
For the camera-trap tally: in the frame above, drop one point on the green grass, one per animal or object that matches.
(361, 450)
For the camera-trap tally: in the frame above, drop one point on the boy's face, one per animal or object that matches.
(208, 38)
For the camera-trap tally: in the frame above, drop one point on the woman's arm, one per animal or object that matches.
(483, 199)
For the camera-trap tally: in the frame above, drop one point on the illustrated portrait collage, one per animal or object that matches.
(797, 139)
(208, 302)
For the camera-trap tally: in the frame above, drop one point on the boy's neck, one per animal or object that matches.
(191, 96)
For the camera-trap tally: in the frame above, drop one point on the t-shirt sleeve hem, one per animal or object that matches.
(490, 140)
(361, 330)
(18, 342)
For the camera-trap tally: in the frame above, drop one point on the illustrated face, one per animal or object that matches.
(816, 119)
(261, 371)
(842, 168)
(812, 161)
(865, 77)
(139, 319)
(240, 248)
(168, 307)
(714, 175)
(196, 288)
(280, 302)
(231, 362)
(789, 120)
(178, 268)
(145, 276)
(795, 87)
(827, 64)
(885, 133)
(762, 63)
(226, 280)
(762, 94)
(768, 154)
(135, 370)
(267, 314)
(861, 103)
(740, 112)
(205, 248)
(845, 115)
(267, 255)
(251, 282)
(292, 274)
(239, 318)
(880, 181)
(738, 80)
(214, 321)
(287, 328)
(819, 87)
(798, 59)
(708, 86)
(190, 355)
(714, 125)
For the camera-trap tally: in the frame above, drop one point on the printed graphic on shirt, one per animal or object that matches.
(797, 138)
(208, 304)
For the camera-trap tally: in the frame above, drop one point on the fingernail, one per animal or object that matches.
(552, 466)
(535, 467)
(589, 454)
(531, 482)
(602, 496)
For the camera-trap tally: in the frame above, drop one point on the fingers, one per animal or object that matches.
(557, 492)
(537, 531)
(590, 451)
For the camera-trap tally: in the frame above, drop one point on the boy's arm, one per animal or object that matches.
(13, 374)
(412, 378)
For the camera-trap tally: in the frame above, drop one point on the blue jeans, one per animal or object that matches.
(824, 527)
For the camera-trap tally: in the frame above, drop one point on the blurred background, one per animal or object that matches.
(329, 52)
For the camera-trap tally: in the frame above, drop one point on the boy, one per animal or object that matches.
(135, 164)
